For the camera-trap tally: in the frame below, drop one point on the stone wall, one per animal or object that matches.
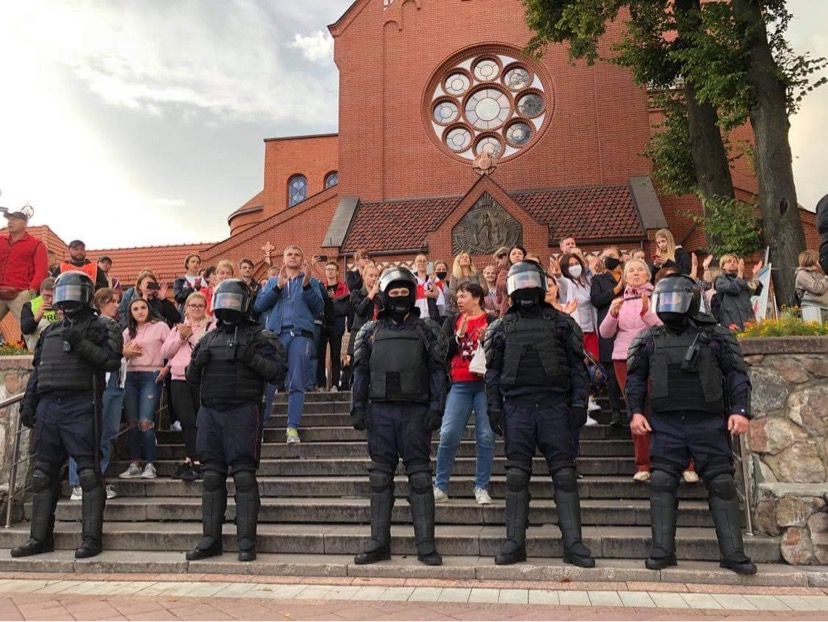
(789, 443)
(14, 373)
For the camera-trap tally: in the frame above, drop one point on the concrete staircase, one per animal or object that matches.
(315, 508)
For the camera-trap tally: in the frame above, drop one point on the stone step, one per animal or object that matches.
(407, 567)
(692, 543)
(600, 512)
(314, 408)
(316, 396)
(460, 487)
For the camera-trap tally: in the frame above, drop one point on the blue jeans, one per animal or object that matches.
(299, 351)
(113, 404)
(142, 394)
(462, 399)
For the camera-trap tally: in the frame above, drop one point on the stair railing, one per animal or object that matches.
(741, 457)
(16, 459)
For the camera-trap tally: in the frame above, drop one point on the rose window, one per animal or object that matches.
(488, 103)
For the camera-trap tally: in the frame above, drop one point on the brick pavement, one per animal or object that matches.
(35, 596)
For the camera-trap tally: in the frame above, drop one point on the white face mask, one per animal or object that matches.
(575, 271)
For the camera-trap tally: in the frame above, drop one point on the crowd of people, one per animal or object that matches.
(321, 325)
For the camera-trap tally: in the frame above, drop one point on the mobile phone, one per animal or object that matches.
(153, 286)
(323, 258)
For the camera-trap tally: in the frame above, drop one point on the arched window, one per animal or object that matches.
(331, 179)
(297, 189)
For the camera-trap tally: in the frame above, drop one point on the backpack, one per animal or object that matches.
(716, 307)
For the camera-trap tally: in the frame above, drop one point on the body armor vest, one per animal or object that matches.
(226, 380)
(399, 365)
(59, 370)
(534, 356)
(673, 386)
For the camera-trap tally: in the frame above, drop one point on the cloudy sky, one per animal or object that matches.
(132, 123)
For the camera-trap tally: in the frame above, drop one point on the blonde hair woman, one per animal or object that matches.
(463, 271)
(735, 292)
(668, 255)
(811, 282)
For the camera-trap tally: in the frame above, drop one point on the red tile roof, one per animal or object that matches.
(397, 225)
(596, 213)
(167, 262)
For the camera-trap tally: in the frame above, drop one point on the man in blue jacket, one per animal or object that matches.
(292, 300)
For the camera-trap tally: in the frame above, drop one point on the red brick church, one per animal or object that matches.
(451, 138)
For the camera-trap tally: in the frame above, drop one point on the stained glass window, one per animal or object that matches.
(331, 179)
(518, 134)
(530, 105)
(297, 189)
(446, 112)
(458, 139)
(488, 109)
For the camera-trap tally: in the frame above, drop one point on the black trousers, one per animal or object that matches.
(230, 437)
(543, 424)
(185, 398)
(64, 428)
(398, 430)
(679, 436)
(335, 342)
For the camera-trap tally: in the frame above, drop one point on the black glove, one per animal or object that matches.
(27, 416)
(496, 421)
(71, 336)
(245, 353)
(579, 416)
(433, 420)
(359, 419)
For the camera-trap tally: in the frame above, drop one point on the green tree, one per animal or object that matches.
(736, 64)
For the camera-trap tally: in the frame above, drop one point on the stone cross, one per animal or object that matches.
(268, 249)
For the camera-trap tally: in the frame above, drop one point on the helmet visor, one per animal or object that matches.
(230, 301)
(530, 279)
(70, 292)
(673, 302)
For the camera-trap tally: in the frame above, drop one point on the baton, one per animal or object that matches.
(96, 430)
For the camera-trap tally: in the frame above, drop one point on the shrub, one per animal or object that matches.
(785, 326)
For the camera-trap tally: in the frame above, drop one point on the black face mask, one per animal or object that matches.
(526, 298)
(442, 275)
(611, 263)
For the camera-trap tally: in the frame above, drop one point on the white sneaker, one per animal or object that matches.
(176, 426)
(482, 496)
(132, 472)
(440, 496)
(334, 389)
(110, 492)
(691, 477)
(77, 494)
(642, 476)
(590, 421)
(292, 436)
(149, 471)
(592, 406)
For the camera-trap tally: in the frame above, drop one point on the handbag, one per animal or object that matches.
(478, 362)
(597, 373)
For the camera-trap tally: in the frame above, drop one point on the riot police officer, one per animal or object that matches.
(232, 364)
(62, 402)
(537, 387)
(399, 383)
(699, 391)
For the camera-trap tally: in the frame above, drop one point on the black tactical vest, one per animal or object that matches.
(62, 371)
(225, 380)
(534, 355)
(399, 365)
(674, 389)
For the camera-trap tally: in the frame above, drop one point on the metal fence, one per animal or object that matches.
(16, 459)
(741, 459)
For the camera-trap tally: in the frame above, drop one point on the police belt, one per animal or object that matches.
(543, 397)
(298, 333)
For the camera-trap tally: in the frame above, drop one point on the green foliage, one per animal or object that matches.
(8, 349)
(731, 227)
(669, 148)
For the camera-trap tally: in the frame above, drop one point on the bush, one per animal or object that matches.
(786, 326)
(13, 349)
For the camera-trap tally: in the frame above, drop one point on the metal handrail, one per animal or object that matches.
(11, 401)
(741, 454)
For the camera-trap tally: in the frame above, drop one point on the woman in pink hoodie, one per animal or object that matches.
(629, 315)
(177, 350)
(143, 338)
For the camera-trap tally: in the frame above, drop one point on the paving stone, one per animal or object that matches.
(636, 599)
(543, 597)
(426, 594)
(397, 593)
(710, 573)
(454, 595)
(520, 597)
(604, 599)
(485, 595)
(370, 592)
(667, 600)
(734, 602)
(314, 592)
(574, 598)
(701, 601)
(766, 603)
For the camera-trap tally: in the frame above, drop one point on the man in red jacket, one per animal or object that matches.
(23, 265)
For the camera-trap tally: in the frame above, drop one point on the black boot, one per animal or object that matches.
(617, 420)
(248, 504)
(568, 504)
(45, 494)
(378, 548)
(213, 507)
(421, 500)
(724, 505)
(517, 518)
(94, 502)
(663, 512)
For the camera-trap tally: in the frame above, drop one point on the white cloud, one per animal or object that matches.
(317, 48)
(170, 202)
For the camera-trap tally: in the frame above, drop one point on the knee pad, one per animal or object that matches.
(565, 479)
(517, 479)
(664, 481)
(716, 467)
(722, 486)
(420, 482)
(214, 480)
(43, 478)
(245, 480)
(380, 481)
(89, 480)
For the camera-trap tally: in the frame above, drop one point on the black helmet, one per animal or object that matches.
(398, 277)
(526, 275)
(231, 301)
(676, 297)
(73, 292)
